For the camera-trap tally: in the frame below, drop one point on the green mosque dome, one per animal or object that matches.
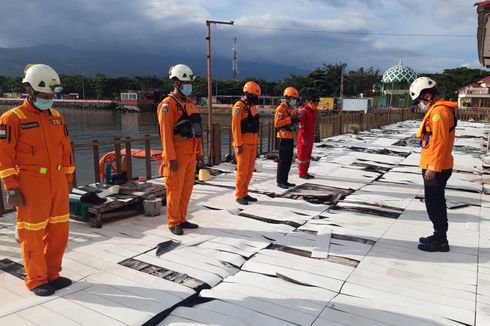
(399, 74)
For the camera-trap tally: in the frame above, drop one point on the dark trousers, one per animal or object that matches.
(286, 146)
(435, 200)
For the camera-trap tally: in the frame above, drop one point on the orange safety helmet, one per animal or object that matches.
(291, 92)
(252, 88)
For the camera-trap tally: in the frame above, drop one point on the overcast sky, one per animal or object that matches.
(269, 31)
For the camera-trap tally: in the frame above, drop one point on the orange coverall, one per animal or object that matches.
(437, 147)
(36, 158)
(282, 118)
(178, 184)
(249, 141)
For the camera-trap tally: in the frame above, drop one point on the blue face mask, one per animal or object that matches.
(292, 102)
(43, 104)
(422, 105)
(186, 89)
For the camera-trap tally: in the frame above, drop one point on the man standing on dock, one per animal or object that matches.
(285, 120)
(181, 131)
(437, 133)
(245, 129)
(36, 167)
(306, 135)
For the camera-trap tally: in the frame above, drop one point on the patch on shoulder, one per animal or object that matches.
(237, 111)
(3, 131)
(55, 122)
(279, 115)
(29, 125)
(436, 117)
(165, 107)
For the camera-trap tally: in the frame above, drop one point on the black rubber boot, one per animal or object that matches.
(428, 239)
(250, 198)
(43, 290)
(437, 244)
(60, 283)
(188, 225)
(242, 201)
(177, 230)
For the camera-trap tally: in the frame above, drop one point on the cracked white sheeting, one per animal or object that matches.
(202, 257)
(227, 200)
(380, 158)
(200, 271)
(272, 296)
(416, 300)
(322, 243)
(297, 206)
(274, 213)
(400, 192)
(243, 227)
(312, 295)
(13, 303)
(346, 205)
(248, 316)
(392, 313)
(403, 178)
(379, 199)
(307, 242)
(205, 317)
(178, 321)
(320, 273)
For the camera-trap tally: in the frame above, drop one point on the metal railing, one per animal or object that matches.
(328, 124)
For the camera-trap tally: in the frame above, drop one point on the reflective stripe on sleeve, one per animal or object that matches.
(7, 173)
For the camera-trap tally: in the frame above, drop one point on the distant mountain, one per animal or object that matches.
(69, 61)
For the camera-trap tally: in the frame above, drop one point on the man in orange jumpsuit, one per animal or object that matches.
(245, 129)
(181, 131)
(306, 136)
(285, 121)
(36, 167)
(437, 133)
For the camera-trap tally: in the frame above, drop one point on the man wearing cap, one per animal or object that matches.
(36, 167)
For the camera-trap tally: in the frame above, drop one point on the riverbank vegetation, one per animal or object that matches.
(324, 80)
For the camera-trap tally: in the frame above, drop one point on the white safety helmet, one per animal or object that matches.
(419, 85)
(181, 72)
(42, 78)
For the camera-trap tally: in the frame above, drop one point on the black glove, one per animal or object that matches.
(294, 119)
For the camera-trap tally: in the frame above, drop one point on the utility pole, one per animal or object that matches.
(210, 89)
(342, 83)
(83, 88)
(234, 66)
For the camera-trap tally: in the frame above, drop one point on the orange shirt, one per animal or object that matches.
(33, 140)
(168, 114)
(239, 113)
(282, 118)
(436, 155)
